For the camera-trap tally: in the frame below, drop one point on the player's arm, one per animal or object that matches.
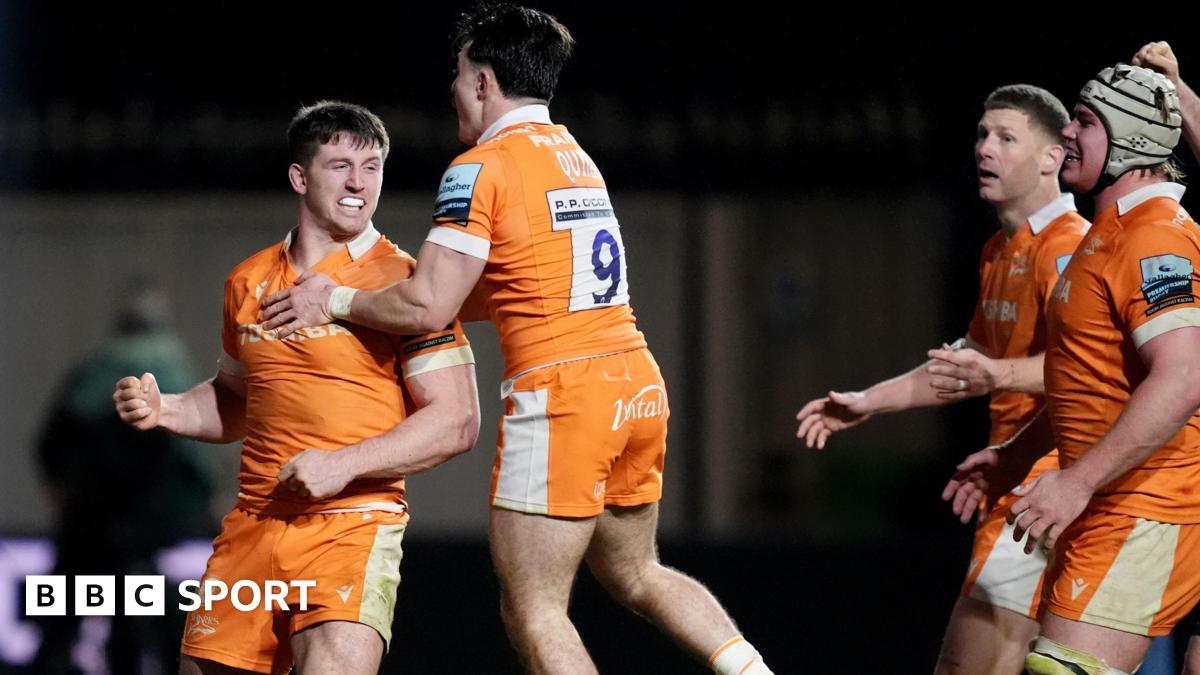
(213, 411)
(983, 374)
(445, 425)
(1157, 409)
(423, 303)
(1160, 57)
(837, 411)
(426, 302)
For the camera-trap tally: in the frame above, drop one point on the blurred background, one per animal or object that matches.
(798, 199)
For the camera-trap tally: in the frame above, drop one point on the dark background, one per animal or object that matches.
(743, 102)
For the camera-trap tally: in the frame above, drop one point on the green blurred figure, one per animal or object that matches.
(121, 495)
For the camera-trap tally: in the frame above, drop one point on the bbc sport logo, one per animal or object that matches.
(145, 595)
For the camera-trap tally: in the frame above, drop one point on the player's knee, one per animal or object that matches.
(1051, 658)
(629, 585)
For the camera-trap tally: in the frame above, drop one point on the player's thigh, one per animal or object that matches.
(536, 555)
(338, 647)
(220, 632)
(982, 639)
(624, 542)
(353, 562)
(192, 666)
(1191, 660)
(1000, 573)
(1117, 581)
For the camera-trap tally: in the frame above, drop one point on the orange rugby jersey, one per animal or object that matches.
(529, 201)
(1016, 276)
(1131, 279)
(327, 386)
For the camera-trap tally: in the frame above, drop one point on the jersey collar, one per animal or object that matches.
(536, 113)
(1141, 195)
(1042, 218)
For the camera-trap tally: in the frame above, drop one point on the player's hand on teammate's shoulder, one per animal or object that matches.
(302, 306)
(138, 401)
(821, 417)
(1158, 56)
(315, 473)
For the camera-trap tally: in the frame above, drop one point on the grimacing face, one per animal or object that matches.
(1008, 155)
(342, 183)
(1087, 149)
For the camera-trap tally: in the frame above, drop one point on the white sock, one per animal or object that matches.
(738, 657)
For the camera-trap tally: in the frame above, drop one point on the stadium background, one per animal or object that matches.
(797, 196)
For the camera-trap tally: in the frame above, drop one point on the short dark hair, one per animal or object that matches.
(524, 47)
(1044, 109)
(319, 123)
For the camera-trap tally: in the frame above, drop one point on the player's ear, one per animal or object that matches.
(486, 84)
(298, 179)
(1052, 158)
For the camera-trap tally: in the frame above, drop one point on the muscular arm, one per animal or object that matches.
(1155, 412)
(1157, 409)
(428, 301)
(213, 411)
(445, 425)
(424, 303)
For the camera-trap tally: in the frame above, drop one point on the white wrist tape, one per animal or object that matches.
(339, 301)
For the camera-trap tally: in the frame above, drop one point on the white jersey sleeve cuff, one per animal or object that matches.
(458, 240)
(1165, 323)
(427, 363)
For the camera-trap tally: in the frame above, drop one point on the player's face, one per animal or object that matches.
(342, 183)
(1008, 155)
(1087, 150)
(466, 102)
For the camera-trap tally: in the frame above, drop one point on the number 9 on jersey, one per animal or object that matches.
(598, 268)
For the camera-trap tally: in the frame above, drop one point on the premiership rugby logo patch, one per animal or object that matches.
(1166, 281)
(455, 192)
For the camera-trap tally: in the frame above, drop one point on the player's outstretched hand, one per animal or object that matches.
(822, 417)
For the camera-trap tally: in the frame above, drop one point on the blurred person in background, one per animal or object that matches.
(120, 496)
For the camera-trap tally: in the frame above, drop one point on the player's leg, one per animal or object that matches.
(992, 626)
(338, 647)
(192, 666)
(219, 638)
(1191, 660)
(536, 558)
(1085, 644)
(983, 639)
(343, 622)
(1117, 582)
(624, 558)
(623, 555)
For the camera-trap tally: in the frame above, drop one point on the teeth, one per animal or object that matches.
(352, 201)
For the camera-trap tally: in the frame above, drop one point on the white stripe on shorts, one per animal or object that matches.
(1131, 592)
(525, 457)
(1009, 577)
